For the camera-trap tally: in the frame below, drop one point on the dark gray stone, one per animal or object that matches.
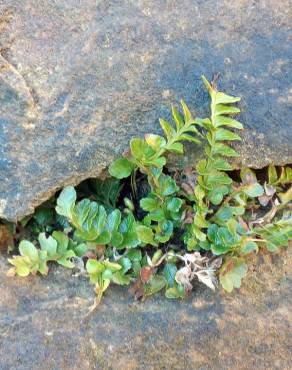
(79, 79)
(43, 324)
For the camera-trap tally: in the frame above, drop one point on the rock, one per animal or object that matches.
(79, 79)
(43, 324)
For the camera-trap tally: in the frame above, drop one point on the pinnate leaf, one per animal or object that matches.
(177, 118)
(222, 98)
(227, 121)
(187, 113)
(225, 150)
(225, 109)
(167, 128)
(222, 134)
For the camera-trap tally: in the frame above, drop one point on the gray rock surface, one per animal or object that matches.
(78, 79)
(43, 325)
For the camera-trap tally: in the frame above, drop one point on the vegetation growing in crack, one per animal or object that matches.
(170, 230)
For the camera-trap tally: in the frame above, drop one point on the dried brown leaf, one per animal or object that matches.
(146, 273)
(6, 239)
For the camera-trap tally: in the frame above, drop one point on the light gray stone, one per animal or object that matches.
(80, 78)
(43, 324)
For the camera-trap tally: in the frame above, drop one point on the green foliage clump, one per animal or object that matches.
(53, 248)
(92, 223)
(199, 224)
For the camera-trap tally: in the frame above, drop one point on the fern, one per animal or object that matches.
(213, 182)
(150, 151)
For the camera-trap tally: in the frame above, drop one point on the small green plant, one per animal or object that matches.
(213, 183)
(32, 260)
(101, 273)
(149, 153)
(199, 224)
(92, 223)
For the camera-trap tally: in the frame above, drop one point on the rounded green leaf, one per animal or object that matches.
(113, 266)
(216, 198)
(81, 249)
(134, 255)
(116, 239)
(148, 204)
(126, 264)
(66, 202)
(121, 168)
(232, 273)
(103, 238)
(254, 190)
(155, 141)
(107, 274)
(169, 272)
(48, 244)
(94, 267)
(157, 162)
(141, 150)
(174, 204)
(27, 249)
(22, 265)
(226, 283)
(113, 220)
(167, 185)
(120, 278)
(164, 232)
(249, 247)
(66, 260)
(62, 240)
(218, 249)
(177, 291)
(272, 247)
(145, 235)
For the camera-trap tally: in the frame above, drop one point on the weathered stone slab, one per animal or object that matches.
(79, 79)
(43, 325)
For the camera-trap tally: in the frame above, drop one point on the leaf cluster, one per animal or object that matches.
(53, 248)
(197, 227)
(92, 223)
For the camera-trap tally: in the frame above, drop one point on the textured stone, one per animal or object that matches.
(43, 324)
(79, 79)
